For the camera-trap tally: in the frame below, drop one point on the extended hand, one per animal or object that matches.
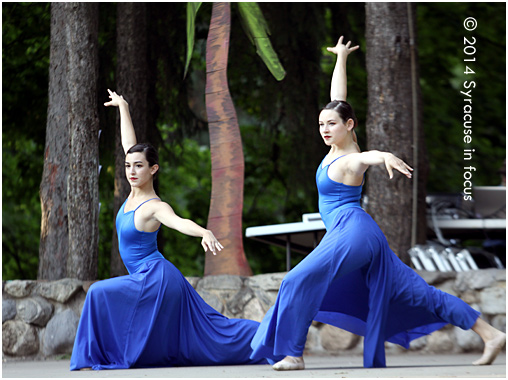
(210, 242)
(342, 50)
(116, 100)
(393, 162)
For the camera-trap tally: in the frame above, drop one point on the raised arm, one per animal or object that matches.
(338, 88)
(358, 163)
(164, 213)
(126, 128)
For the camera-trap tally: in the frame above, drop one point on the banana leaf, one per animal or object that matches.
(192, 10)
(257, 29)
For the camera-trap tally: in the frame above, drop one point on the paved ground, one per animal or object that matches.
(404, 365)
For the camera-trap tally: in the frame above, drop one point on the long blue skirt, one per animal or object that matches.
(154, 318)
(354, 281)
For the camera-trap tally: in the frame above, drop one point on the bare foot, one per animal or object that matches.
(289, 363)
(492, 348)
(85, 369)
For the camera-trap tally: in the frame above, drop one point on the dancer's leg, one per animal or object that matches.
(458, 313)
(301, 294)
(494, 341)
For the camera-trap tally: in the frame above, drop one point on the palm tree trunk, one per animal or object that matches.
(225, 216)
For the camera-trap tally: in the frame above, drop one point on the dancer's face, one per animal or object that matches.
(137, 169)
(332, 128)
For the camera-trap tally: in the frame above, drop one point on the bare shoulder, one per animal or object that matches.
(159, 205)
(355, 167)
(351, 159)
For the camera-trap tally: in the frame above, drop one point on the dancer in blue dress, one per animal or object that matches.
(153, 317)
(352, 279)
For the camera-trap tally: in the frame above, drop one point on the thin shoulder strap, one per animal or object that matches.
(144, 203)
(337, 159)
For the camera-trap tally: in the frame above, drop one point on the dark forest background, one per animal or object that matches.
(275, 191)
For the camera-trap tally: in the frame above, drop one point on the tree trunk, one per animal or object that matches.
(53, 247)
(83, 180)
(225, 216)
(390, 121)
(132, 82)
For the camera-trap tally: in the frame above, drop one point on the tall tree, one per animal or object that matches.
(132, 81)
(53, 247)
(226, 206)
(81, 28)
(393, 84)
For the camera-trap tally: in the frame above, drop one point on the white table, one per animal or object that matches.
(301, 236)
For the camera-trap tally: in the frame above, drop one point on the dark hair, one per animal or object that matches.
(150, 152)
(344, 110)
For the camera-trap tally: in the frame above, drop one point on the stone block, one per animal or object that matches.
(436, 278)
(86, 285)
(474, 279)
(468, 340)
(335, 339)
(193, 281)
(239, 300)
(266, 282)
(59, 335)
(253, 310)
(19, 339)
(448, 287)
(418, 344)
(212, 300)
(440, 342)
(493, 301)
(35, 310)
(220, 282)
(470, 297)
(8, 309)
(313, 344)
(19, 288)
(499, 322)
(60, 290)
(267, 299)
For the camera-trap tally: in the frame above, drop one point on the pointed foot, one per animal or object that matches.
(492, 348)
(289, 363)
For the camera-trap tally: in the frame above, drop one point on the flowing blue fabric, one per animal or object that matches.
(354, 281)
(153, 317)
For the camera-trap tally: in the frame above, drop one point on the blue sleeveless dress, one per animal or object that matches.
(153, 317)
(354, 281)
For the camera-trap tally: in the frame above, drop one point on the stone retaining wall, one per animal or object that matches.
(40, 318)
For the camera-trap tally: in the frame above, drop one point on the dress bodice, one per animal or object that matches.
(334, 196)
(136, 247)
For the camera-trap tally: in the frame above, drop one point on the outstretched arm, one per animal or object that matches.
(126, 127)
(358, 163)
(168, 217)
(338, 88)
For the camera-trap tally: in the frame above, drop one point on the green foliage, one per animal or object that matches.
(441, 55)
(254, 25)
(21, 210)
(192, 10)
(257, 30)
(25, 63)
(268, 138)
(186, 185)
